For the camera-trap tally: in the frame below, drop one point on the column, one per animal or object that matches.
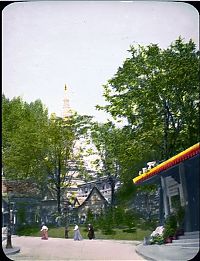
(165, 197)
(161, 212)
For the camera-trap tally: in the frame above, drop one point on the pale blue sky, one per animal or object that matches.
(47, 44)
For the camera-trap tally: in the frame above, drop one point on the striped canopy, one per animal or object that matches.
(186, 154)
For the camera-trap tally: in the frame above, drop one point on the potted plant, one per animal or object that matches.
(170, 228)
(156, 236)
(158, 239)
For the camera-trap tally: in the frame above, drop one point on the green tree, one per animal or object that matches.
(157, 92)
(104, 137)
(40, 148)
(24, 139)
(64, 159)
(60, 139)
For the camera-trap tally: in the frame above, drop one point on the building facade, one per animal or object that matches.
(178, 179)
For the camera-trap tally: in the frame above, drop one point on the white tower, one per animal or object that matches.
(67, 112)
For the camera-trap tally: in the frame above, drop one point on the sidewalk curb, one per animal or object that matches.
(11, 251)
(141, 254)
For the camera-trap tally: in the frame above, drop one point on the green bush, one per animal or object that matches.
(170, 226)
(158, 239)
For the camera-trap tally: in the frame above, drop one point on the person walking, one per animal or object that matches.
(90, 232)
(77, 234)
(44, 232)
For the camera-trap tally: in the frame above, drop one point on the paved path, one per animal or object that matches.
(33, 248)
(167, 252)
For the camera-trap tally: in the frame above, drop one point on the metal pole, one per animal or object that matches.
(9, 243)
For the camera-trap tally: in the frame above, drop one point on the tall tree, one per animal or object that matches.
(105, 138)
(42, 149)
(64, 160)
(60, 139)
(24, 129)
(157, 92)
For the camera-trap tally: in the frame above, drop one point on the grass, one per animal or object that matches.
(59, 232)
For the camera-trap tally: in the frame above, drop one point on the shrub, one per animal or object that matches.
(157, 239)
(170, 226)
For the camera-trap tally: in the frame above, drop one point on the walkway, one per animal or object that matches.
(33, 248)
(167, 252)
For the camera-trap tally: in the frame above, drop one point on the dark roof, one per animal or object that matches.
(94, 189)
(21, 188)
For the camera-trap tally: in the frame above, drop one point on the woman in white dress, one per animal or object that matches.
(77, 234)
(44, 232)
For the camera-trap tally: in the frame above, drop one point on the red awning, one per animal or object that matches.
(184, 155)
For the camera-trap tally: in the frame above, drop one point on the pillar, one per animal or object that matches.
(161, 212)
(165, 197)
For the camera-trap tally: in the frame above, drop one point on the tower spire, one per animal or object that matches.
(66, 108)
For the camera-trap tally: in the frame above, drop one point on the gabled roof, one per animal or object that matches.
(79, 200)
(184, 155)
(94, 189)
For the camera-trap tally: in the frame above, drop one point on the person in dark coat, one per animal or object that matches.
(90, 232)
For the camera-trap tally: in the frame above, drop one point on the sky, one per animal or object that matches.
(81, 44)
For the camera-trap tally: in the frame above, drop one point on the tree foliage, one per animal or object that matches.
(105, 137)
(157, 92)
(24, 129)
(64, 160)
(41, 148)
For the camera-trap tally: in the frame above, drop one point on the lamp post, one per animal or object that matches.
(9, 242)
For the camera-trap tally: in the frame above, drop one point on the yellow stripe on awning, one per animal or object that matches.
(188, 153)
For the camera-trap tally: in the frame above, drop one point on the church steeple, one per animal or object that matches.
(66, 108)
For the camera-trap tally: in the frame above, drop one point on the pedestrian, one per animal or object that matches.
(66, 232)
(44, 232)
(77, 234)
(90, 232)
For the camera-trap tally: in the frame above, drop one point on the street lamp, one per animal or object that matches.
(9, 243)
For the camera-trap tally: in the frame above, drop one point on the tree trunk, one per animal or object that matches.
(112, 184)
(166, 128)
(58, 186)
